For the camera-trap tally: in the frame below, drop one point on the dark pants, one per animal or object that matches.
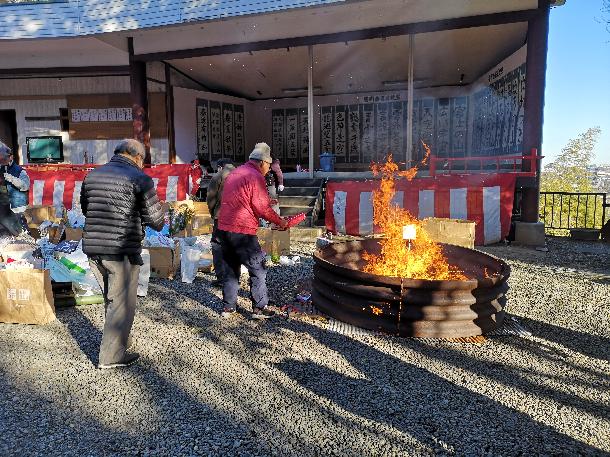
(240, 249)
(217, 253)
(119, 283)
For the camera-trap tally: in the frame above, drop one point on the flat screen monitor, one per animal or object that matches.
(48, 149)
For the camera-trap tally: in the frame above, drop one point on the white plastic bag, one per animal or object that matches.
(189, 263)
(144, 274)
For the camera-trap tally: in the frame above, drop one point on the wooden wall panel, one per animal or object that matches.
(115, 129)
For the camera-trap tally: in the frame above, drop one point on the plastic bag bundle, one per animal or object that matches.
(189, 263)
(76, 218)
(144, 277)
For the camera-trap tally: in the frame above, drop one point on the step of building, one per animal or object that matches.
(302, 182)
(288, 200)
(292, 210)
(300, 191)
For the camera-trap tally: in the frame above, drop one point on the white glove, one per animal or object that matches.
(22, 183)
(280, 188)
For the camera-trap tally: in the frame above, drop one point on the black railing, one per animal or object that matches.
(562, 211)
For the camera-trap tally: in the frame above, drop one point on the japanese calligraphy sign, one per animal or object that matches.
(368, 132)
(203, 129)
(238, 122)
(340, 135)
(220, 130)
(383, 130)
(326, 129)
(215, 131)
(443, 124)
(292, 137)
(277, 133)
(353, 133)
(227, 130)
(303, 135)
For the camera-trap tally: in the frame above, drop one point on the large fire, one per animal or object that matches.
(420, 258)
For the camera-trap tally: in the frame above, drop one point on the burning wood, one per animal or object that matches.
(406, 250)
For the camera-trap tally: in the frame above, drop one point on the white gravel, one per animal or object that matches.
(207, 386)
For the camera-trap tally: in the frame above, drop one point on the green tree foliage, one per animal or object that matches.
(569, 173)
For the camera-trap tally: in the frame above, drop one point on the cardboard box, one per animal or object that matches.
(201, 224)
(37, 214)
(274, 242)
(164, 262)
(74, 234)
(450, 231)
(26, 296)
(55, 233)
(201, 208)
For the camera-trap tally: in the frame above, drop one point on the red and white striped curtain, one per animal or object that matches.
(486, 199)
(57, 187)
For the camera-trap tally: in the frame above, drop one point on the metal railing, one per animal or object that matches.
(562, 211)
(486, 164)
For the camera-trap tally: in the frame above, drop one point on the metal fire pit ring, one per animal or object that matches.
(411, 307)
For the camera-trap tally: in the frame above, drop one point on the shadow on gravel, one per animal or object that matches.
(86, 335)
(595, 346)
(427, 406)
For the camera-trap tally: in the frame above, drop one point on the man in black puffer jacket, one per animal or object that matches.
(118, 199)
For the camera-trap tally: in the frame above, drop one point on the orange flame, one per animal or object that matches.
(421, 258)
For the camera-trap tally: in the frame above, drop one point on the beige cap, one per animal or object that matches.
(261, 151)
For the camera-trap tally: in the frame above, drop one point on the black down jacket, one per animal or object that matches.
(118, 199)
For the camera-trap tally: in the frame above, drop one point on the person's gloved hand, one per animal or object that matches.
(284, 224)
(9, 177)
(280, 188)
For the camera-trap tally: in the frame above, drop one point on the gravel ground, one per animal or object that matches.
(207, 386)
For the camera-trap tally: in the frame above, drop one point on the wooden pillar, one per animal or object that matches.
(537, 42)
(310, 113)
(169, 114)
(409, 148)
(139, 100)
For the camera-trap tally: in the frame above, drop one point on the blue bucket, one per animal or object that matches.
(327, 161)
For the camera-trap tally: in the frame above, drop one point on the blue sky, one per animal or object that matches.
(578, 77)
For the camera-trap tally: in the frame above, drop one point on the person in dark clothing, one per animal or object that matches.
(9, 221)
(118, 199)
(17, 182)
(214, 200)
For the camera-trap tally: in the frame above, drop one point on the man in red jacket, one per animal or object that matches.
(244, 201)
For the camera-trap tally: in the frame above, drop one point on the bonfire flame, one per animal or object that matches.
(420, 258)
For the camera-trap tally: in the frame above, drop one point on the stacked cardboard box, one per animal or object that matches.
(36, 215)
(450, 231)
(164, 261)
(274, 242)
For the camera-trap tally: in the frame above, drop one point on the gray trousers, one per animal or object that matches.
(119, 283)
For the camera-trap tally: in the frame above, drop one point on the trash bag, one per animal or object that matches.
(144, 274)
(189, 263)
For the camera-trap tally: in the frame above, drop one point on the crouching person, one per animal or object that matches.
(118, 199)
(244, 201)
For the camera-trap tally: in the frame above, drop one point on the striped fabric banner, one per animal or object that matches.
(485, 199)
(63, 186)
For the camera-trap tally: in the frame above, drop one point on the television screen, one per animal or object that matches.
(45, 149)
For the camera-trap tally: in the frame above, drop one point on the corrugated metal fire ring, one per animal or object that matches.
(407, 307)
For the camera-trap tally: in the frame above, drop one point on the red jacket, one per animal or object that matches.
(244, 200)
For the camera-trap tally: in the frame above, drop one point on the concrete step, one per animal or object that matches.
(302, 182)
(300, 191)
(292, 210)
(287, 200)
